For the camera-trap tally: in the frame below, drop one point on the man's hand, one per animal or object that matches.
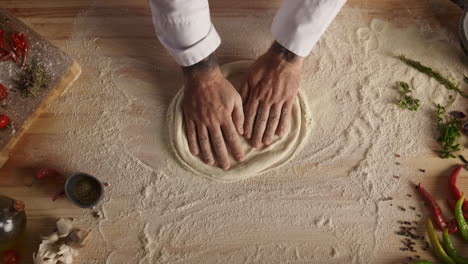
(213, 114)
(269, 93)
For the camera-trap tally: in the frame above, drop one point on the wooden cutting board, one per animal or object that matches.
(24, 110)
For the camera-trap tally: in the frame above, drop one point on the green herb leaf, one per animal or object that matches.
(406, 99)
(432, 73)
(449, 131)
(465, 79)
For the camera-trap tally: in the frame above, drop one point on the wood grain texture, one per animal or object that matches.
(23, 111)
(54, 20)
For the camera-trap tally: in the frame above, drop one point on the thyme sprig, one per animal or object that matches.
(432, 73)
(406, 99)
(449, 131)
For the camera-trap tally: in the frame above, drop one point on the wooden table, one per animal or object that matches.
(54, 20)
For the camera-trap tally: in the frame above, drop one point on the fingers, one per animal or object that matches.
(233, 141)
(260, 125)
(192, 136)
(219, 148)
(204, 143)
(250, 114)
(273, 121)
(238, 117)
(285, 119)
(244, 90)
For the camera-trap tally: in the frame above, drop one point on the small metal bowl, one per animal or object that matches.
(93, 193)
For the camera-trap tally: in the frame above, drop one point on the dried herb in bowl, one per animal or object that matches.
(85, 191)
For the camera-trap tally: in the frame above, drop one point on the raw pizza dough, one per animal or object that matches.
(257, 161)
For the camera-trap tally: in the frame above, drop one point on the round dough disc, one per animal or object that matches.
(257, 161)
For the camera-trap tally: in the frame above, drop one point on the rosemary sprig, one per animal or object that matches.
(406, 99)
(432, 73)
(449, 131)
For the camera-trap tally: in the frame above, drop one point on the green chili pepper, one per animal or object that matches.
(462, 225)
(436, 246)
(450, 248)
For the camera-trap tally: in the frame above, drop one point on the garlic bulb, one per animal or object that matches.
(61, 246)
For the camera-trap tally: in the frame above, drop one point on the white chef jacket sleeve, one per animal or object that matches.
(299, 24)
(184, 27)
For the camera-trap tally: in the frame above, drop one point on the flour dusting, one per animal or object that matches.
(328, 205)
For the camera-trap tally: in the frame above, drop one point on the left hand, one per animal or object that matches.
(268, 94)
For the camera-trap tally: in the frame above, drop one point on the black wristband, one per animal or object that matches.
(284, 52)
(204, 65)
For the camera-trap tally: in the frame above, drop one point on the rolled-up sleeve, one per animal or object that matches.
(184, 27)
(299, 24)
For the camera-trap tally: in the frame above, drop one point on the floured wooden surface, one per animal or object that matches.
(327, 206)
(16, 106)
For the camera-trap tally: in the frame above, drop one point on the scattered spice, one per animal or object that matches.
(432, 73)
(397, 155)
(396, 177)
(397, 163)
(409, 195)
(401, 208)
(34, 79)
(412, 208)
(422, 170)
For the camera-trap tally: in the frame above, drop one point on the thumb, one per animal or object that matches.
(238, 116)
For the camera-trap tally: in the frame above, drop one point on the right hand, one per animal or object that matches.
(214, 117)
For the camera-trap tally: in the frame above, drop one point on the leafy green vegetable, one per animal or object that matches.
(465, 79)
(449, 131)
(406, 99)
(432, 73)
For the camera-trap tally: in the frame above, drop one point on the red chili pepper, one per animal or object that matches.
(453, 186)
(452, 226)
(6, 51)
(10, 257)
(4, 121)
(47, 173)
(436, 212)
(3, 92)
(6, 57)
(2, 42)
